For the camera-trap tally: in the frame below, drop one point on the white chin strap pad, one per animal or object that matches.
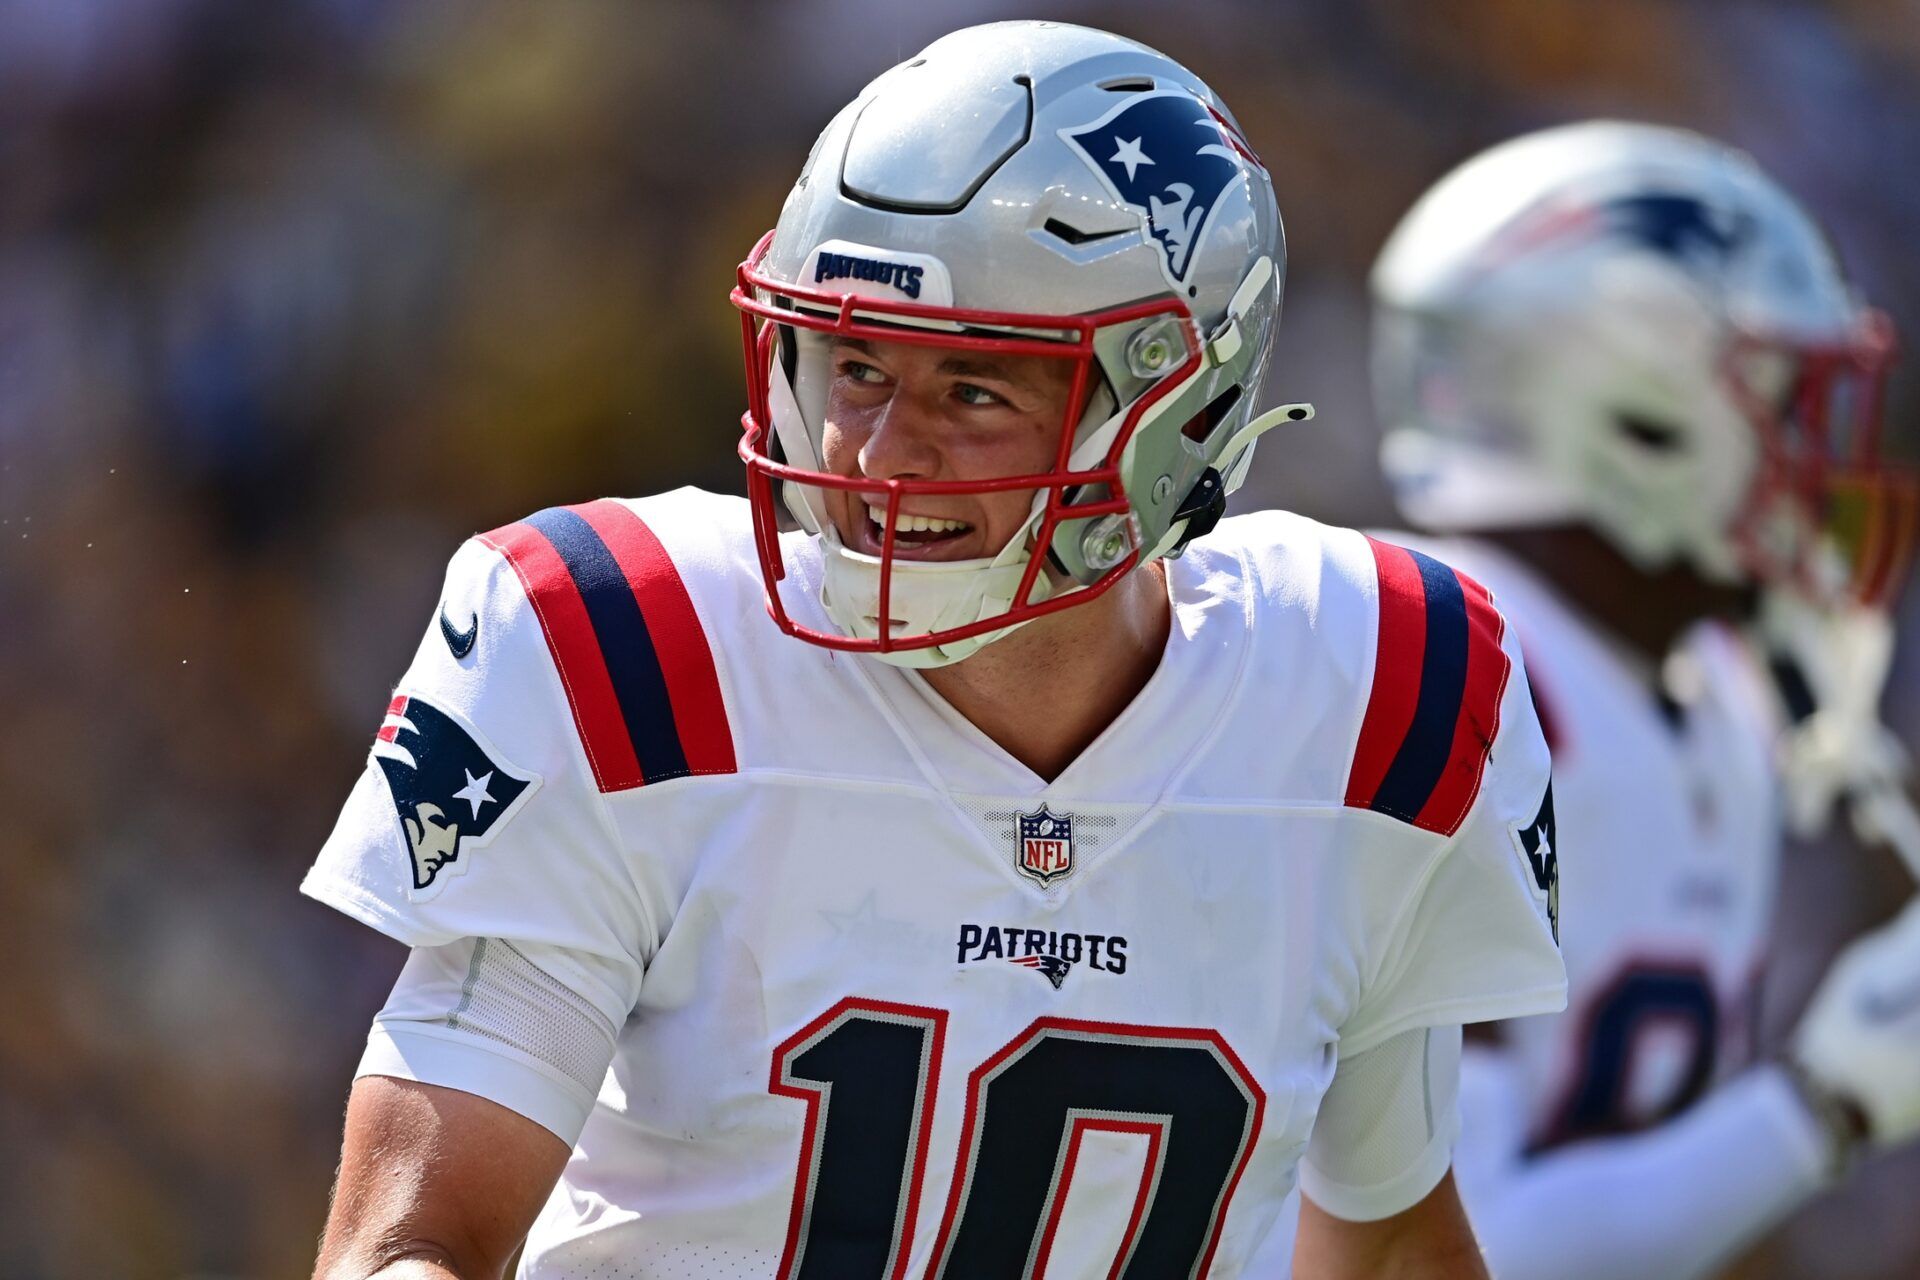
(926, 596)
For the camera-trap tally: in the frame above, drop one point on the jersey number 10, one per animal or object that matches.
(868, 1073)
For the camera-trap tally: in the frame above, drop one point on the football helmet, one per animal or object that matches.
(1031, 189)
(1633, 327)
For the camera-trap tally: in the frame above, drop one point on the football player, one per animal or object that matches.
(968, 856)
(1624, 379)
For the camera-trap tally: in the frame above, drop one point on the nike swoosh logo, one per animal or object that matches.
(461, 642)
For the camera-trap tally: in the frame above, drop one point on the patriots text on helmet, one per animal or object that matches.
(842, 266)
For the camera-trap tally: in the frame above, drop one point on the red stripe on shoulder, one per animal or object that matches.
(397, 707)
(1398, 655)
(1488, 668)
(686, 659)
(576, 653)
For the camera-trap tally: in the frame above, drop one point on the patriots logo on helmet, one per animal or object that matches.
(1046, 845)
(1678, 226)
(1169, 158)
(450, 792)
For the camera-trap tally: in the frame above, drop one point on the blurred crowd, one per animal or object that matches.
(294, 296)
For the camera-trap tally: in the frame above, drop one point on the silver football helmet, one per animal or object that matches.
(1633, 327)
(1025, 188)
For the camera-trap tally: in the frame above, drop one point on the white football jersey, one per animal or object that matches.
(1666, 779)
(888, 1002)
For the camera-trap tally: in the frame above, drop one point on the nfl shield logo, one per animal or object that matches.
(1046, 845)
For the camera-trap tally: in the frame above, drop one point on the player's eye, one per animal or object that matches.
(974, 394)
(860, 371)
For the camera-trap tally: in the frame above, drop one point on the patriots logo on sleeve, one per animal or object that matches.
(1170, 159)
(450, 792)
(1535, 841)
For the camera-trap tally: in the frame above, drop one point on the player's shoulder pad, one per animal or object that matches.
(614, 606)
(1440, 674)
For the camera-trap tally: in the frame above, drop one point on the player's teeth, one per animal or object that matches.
(917, 524)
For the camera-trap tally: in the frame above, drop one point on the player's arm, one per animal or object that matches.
(1677, 1201)
(1377, 1198)
(434, 1184)
(479, 1074)
(1683, 1199)
(1430, 1240)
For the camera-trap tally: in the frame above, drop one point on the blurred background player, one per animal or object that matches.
(1619, 369)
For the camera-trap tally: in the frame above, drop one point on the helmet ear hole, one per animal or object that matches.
(1202, 425)
(1651, 434)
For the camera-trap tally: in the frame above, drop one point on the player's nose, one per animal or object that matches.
(904, 441)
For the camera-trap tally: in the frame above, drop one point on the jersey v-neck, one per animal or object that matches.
(1143, 751)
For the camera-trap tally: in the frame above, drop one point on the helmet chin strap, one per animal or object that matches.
(925, 596)
(1237, 457)
(1839, 748)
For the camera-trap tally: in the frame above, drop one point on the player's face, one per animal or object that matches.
(902, 411)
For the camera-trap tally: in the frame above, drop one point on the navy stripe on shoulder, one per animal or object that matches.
(633, 664)
(1423, 753)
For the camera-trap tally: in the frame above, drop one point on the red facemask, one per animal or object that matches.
(1828, 513)
(769, 305)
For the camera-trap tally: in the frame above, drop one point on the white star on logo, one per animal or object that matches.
(475, 792)
(1131, 156)
(1546, 846)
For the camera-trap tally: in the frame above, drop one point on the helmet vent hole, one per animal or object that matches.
(1074, 235)
(1650, 434)
(1128, 84)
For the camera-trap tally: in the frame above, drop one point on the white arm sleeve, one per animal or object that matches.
(1384, 1135)
(487, 1017)
(1675, 1202)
